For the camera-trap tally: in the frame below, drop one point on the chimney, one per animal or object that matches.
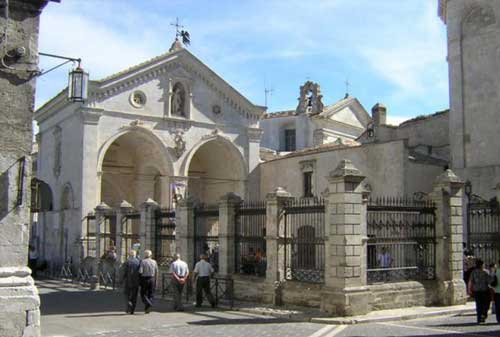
(379, 114)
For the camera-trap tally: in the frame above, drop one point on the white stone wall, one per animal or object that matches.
(473, 42)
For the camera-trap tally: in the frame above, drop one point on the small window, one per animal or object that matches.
(290, 140)
(308, 184)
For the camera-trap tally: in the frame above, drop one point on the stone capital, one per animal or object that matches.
(346, 171)
(125, 206)
(448, 181)
(279, 192)
(102, 207)
(149, 203)
(230, 198)
(90, 116)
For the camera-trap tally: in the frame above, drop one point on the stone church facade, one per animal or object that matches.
(167, 129)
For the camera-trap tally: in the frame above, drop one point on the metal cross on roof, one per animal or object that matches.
(177, 25)
(186, 39)
(347, 87)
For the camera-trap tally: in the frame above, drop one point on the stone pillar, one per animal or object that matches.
(125, 207)
(150, 206)
(184, 230)
(165, 192)
(345, 292)
(100, 211)
(227, 206)
(447, 195)
(275, 271)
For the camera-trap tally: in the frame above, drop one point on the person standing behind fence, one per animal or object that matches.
(203, 270)
(148, 270)
(129, 277)
(478, 287)
(180, 274)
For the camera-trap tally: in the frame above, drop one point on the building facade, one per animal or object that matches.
(168, 129)
(313, 124)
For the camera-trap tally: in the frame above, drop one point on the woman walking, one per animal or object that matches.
(479, 288)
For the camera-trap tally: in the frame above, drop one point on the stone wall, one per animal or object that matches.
(19, 309)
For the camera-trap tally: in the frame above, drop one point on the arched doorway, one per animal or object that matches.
(132, 169)
(215, 169)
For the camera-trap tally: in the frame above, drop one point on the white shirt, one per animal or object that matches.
(203, 268)
(179, 268)
(384, 260)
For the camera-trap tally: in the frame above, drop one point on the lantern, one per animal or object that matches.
(77, 86)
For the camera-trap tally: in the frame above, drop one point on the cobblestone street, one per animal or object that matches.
(70, 311)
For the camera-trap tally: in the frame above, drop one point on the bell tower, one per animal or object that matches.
(473, 28)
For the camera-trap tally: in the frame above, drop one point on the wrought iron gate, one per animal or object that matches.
(165, 236)
(302, 240)
(402, 244)
(483, 229)
(131, 224)
(250, 242)
(206, 233)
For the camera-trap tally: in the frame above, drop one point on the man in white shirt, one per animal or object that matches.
(180, 274)
(203, 270)
(384, 259)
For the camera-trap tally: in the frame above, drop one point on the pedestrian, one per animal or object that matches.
(180, 274)
(129, 277)
(496, 286)
(32, 260)
(148, 270)
(478, 287)
(203, 271)
(492, 270)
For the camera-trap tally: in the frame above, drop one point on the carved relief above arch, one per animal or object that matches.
(477, 19)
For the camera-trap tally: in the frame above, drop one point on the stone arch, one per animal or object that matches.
(168, 166)
(214, 167)
(476, 18)
(42, 199)
(130, 163)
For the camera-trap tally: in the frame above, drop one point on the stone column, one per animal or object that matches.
(150, 206)
(345, 292)
(125, 207)
(227, 206)
(447, 195)
(165, 192)
(184, 230)
(275, 271)
(100, 211)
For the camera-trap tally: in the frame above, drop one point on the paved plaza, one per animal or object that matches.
(72, 311)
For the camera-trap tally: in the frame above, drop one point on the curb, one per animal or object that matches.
(356, 320)
(360, 320)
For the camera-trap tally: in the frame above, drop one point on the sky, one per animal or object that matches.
(390, 51)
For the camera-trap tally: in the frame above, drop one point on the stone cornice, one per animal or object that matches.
(90, 116)
(160, 67)
(442, 9)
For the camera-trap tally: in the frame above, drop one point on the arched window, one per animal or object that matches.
(178, 100)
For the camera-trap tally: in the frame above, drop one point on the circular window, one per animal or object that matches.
(138, 99)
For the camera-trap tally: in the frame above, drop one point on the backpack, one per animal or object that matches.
(494, 283)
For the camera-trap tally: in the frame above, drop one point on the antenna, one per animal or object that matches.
(347, 87)
(266, 93)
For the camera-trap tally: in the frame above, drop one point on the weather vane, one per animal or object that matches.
(181, 33)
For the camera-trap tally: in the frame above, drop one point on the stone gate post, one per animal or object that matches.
(100, 212)
(275, 271)
(184, 230)
(345, 292)
(227, 213)
(447, 195)
(125, 207)
(150, 207)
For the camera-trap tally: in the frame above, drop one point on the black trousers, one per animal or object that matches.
(131, 298)
(497, 306)
(147, 291)
(483, 299)
(203, 285)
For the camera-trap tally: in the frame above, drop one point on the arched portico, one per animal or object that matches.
(134, 166)
(214, 167)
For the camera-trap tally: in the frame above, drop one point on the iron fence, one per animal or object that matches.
(165, 247)
(108, 232)
(131, 224)
(89, 241)
(302, 237)
(483, 229)
(402, 239)
(206, 233)
(222, 289)
(250, 242)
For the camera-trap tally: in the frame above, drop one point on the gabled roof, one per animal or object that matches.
(122, 79)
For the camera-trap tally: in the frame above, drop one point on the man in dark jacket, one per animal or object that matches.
(129, 277)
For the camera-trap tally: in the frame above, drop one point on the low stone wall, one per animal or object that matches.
(303, 294)
(252, 288)
(401, 295)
